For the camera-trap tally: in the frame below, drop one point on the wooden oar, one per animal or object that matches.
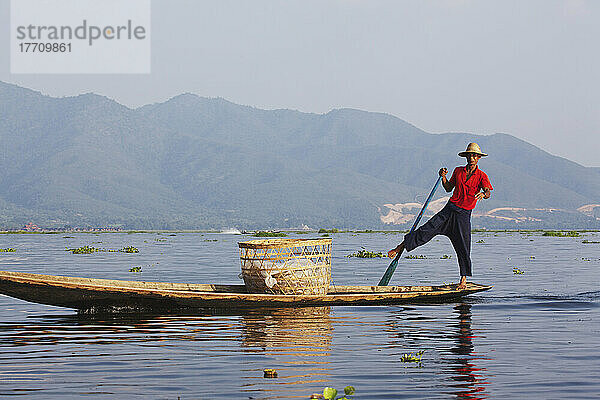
(385, 279)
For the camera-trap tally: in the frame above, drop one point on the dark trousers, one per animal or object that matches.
(451, 221)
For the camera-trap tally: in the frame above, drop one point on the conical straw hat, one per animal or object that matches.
(472, 148)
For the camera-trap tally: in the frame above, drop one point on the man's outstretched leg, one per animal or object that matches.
(435, 226)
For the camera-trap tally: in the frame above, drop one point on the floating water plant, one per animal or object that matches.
(84, 250)
(135, 269)
(517, 271)
(210, 240)
(270, 234)
(7, 250)
(446, 256)
(362, 253)
(480, 241)
(270, 373)
(412, 358)
(589, 241)
(331, 393)
(415, 257)
(334, 230)
(91, 249)
(561, 233)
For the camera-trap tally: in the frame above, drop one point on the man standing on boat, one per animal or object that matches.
(470, 184)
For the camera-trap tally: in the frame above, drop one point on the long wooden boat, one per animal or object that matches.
(104, 294)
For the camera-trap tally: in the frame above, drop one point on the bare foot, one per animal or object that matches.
(463, 283)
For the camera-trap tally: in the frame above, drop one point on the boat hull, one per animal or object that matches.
(104, 294)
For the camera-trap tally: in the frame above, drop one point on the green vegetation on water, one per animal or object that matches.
(517, 271)
(135, 269)
(270, 373)
(7, 250)
(561, 233)
(334, 230)
(412, 358)
(589, 241)
(84, 250)
(446, 256)
(415, 257)
(331, 393)
(362, 253)
(269, 234)
(90, 249)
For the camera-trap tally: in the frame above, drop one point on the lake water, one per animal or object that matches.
(534, 335)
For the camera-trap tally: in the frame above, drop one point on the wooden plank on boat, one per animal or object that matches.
(88, 293)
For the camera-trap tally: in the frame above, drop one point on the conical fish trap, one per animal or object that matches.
(286, 266)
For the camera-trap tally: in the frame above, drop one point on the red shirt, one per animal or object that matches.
(465, 190)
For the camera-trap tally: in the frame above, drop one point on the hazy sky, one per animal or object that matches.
(528, 68)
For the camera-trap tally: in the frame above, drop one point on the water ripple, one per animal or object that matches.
(534, 335)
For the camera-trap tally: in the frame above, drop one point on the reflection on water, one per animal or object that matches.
(284, 330)
(470, 380)
(111, 329)
(295, 331)
(412, 329)
(205, 352)
(470, 347)
(297, 340)
(300, 338)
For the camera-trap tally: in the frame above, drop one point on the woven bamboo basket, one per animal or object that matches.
(286, 266)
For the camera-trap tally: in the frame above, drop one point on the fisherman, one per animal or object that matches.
(454, 220)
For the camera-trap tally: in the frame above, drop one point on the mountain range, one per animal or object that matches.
(206, 163)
